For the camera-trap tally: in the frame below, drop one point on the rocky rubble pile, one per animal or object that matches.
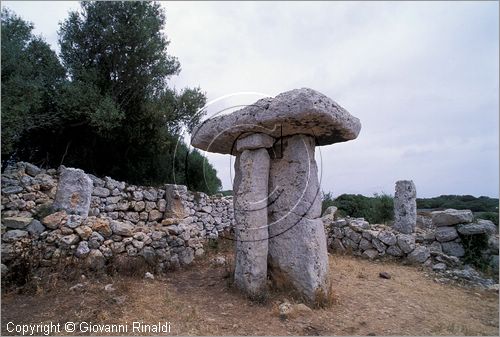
(166, 226)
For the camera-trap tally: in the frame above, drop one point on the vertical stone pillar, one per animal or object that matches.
(405, 207)
(297, 241)
(250, 212)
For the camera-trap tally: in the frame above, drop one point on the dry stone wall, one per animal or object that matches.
(440, 246)
(166, 226)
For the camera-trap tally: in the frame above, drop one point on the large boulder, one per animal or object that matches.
(450, 217)
(74, 192)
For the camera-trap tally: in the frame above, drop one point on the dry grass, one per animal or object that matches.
(198, 301)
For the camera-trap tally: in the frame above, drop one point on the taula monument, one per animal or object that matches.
(277, 199)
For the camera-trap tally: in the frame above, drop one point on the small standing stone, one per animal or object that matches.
(74, 192)
(405, 207)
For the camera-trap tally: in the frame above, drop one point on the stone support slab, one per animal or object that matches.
(297, 242)
(250, 212)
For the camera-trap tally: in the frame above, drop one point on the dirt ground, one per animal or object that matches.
(199, 301)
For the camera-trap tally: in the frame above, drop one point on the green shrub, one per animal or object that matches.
(376, 209)
(474, 245)
(492, 216)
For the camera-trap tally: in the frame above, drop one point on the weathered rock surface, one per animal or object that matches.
(481, 227)
(405, 207)
(35, 228)
(331, 210)
(388, 238)
(297, 244)
(450, 217)
(329, 214)
(254, 141)
(122, 228)
(406, 242)
(17, 222)
(295, 112)
(446, 233)
(54, 220)
(250, 212)
(175, 207)
(14, 235)
(74, 192)
(453, 249)
(419, 255)
(158, 244)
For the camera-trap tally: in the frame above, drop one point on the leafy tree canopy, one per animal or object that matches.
(31, 78)
(107, 109)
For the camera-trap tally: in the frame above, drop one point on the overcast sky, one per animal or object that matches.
(423, 78)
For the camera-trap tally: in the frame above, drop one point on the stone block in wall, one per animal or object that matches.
(150, 195)
(74, 192)
(481, 227)
(453, 249)
(387, 237)
(406, 242)
(450, 217)
(102, 192)
(419, 255)
(175, 196)
(446, 233)
(112, 184)
(394, 251)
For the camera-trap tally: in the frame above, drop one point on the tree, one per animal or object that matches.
(109, 110)
(116, 54)
(376, 209)
(382, 208)
(31, 79)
